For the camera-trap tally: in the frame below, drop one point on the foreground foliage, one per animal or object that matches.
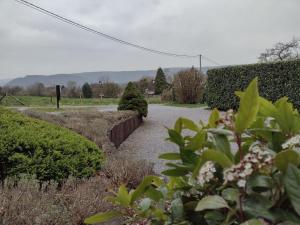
(275, 81)
(42, 150)
(132, 99)
(239, 168)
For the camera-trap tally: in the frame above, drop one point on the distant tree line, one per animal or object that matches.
(106, 89)
(186, 86)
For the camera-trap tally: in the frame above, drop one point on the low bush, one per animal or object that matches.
(45, 151)
(26, 205)
(238, 168)
(188, 86)
(275, 81)
(168, 95)
(132, 99)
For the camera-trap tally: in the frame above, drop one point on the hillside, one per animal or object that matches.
(120, 77)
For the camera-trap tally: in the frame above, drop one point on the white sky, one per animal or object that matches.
(228, 31)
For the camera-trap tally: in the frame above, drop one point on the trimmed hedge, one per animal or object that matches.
(44, 151)
(275, 81)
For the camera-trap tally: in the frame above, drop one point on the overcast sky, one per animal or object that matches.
(228, 31)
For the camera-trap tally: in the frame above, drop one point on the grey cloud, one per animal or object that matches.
(229, 31)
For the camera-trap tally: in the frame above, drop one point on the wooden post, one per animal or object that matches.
(57, 95)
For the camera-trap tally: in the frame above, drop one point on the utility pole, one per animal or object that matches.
(200, 61)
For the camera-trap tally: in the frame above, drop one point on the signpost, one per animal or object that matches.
(57, 95)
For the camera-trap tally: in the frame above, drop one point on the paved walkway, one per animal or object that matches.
(148, 141)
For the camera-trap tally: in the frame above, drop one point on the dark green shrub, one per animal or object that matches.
(275, 81)
(87, 91)
(160, 82)
(45, 151)
(132, 99)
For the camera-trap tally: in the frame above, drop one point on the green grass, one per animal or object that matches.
(37, 101)
(47, 105)
(46, 101)
(185, 105)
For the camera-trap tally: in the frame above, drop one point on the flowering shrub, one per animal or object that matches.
(239, 168)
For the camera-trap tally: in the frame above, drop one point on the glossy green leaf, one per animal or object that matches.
(292, 186)
(178, 125)
(211, 202)
(218, 157)
(214, 217)
(154, 194)
(145, 204)
(189, 124)
(230, 194)
(170, 156)
(177, 209)
(257, 206)
(140, 190)
(175, 172)
(283, 158)
(249, 105)
(266, 108)
(102, 217)
(123, 197)
(254, 222)
(197, 141)
(285, 115)
(222, 144)
(213, 119)
(175, 137)
(260, 183)
(220, 131)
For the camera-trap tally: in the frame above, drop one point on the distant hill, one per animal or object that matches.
(4, 81)
(121, 77)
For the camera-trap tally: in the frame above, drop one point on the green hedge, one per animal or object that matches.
(44, 151)
(275, 81)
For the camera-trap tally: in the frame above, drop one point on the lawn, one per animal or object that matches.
(37, 101)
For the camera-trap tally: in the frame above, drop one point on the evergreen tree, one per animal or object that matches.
(132, 99)
(87, 91)
(160, 82)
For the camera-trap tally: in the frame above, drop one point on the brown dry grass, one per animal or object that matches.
(25, 205)
(89, 122)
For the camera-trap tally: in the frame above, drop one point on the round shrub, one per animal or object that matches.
(132, 99)
(45, 151)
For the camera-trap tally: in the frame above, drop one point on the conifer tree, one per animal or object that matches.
(160, 82)
(132, 99)
(87, 91)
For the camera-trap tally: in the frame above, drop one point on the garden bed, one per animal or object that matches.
(88, 122)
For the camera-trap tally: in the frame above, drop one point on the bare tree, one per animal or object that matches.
(281, 51)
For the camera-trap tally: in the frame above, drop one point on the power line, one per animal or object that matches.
(83, 27)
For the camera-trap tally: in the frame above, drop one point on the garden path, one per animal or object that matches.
(148, 141)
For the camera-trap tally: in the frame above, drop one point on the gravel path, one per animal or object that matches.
(148, 141)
